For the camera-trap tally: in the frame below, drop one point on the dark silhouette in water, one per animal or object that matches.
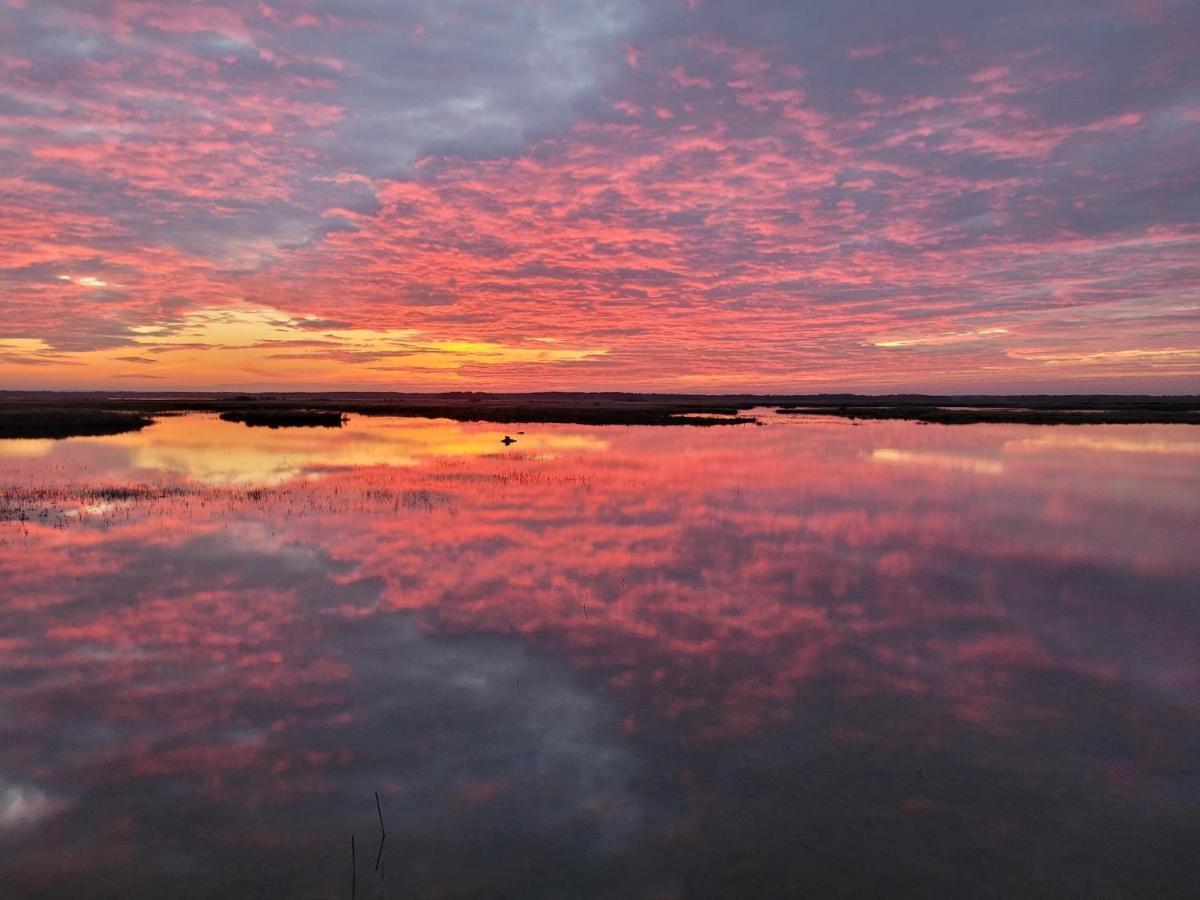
(286, 418)
(508, 440)
(382, 832)
(61, 423)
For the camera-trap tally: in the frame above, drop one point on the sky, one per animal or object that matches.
(668, 195)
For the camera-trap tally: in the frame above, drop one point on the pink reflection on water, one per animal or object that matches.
(578, 634)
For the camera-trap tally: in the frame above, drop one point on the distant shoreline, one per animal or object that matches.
(56, 414)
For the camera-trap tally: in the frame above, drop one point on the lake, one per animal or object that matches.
(813, 657)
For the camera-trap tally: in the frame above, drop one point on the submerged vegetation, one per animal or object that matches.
(372, 491)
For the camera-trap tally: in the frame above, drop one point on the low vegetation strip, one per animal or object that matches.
(997, 415)
(283, 410)
(35, 422)
(286, 418)
(65, 414)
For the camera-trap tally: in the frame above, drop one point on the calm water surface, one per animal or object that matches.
(813, 657)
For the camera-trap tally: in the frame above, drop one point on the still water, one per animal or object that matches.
(808, 658)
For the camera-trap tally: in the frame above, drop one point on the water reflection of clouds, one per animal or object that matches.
(24, 805)
(648, 664)
(1106, 443)
(208, 451)
(940, 460)
(243, 455)
(253, 683)
(26, 448)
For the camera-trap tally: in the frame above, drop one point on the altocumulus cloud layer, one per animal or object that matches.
(631, 193)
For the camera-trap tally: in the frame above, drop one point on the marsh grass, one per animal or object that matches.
(286, 418)
(941, 415)
(71, 422)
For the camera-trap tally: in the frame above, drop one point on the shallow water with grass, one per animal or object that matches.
(817, 657)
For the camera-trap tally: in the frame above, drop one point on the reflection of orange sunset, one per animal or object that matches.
(206, 450)
(214, 452)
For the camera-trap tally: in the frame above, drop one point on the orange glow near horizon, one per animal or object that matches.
(243, 345)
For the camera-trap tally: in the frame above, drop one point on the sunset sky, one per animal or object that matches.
(672, 195)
